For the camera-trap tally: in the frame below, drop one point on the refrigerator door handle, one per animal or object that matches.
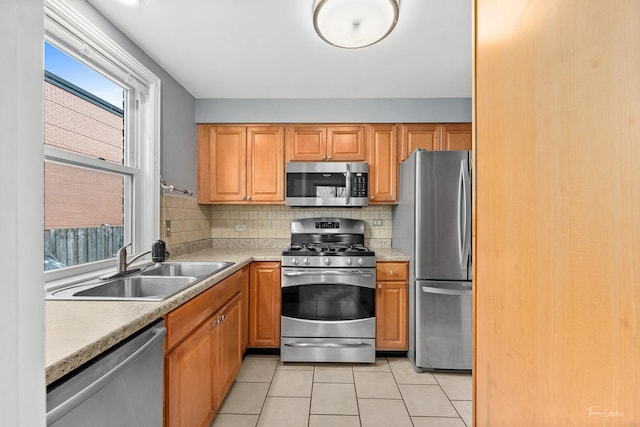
(443, 291)
(462, 212)
(464, 260)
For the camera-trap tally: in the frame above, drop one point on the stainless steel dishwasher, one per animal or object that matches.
(121, 388)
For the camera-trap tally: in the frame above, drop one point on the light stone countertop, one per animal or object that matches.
(78, 331)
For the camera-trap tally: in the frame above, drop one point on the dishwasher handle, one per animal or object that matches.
(65, 407)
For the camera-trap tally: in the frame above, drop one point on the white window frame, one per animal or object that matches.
(75, 35)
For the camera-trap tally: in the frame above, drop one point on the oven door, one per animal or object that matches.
(328, 315)
(335, 302)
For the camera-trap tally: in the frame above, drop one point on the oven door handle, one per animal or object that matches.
(327, 345)
(329, 272)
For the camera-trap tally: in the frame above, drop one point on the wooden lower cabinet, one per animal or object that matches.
(264, 305)
(203, 353)
(392, 306)
(244, 309)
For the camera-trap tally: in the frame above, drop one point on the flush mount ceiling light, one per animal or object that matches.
(353, 24)
(130, 3)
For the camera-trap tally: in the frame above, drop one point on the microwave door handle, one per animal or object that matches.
(348, 189)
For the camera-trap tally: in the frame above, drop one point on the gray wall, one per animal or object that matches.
(22, 384)
(414, 110)
(178, 132)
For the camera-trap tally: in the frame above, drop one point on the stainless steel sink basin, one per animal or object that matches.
(154, 283)
(127, 288)
(194, 269)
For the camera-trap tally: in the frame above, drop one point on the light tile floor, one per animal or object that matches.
(387, 393)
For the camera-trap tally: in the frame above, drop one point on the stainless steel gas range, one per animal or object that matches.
(328, 293)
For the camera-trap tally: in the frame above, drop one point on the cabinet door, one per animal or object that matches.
(189, 399)
(244, 309)
(456, 137)
(264, 305)
(228, 352)
(306, 143)
(392, 306)
(265, 164)
(414, 136)
(383, 167)
(222, 157)
(346, 143)
(391, 316)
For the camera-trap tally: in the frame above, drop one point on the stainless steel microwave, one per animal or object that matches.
(327, 184)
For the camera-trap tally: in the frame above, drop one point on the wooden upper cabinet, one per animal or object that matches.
(346, 143)
(222, 153)
(265, 164)
(456, 137)
(383, 166)
(414, 136)
(240, 164)
(433, 136)
(325, 143)
(306, 143)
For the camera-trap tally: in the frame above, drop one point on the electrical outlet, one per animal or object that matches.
(377, 223)
(167, 228)
(241, 227)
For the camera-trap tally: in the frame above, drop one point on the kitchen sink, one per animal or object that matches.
(156, 282)
(194, 269)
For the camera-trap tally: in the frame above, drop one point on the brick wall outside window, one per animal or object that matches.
(76, 197)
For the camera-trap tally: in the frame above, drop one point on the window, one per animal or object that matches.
(101, 148)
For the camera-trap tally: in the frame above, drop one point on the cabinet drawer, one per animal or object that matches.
(391, 271)
(181, 321)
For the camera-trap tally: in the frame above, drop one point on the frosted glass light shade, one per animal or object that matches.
(354, 23)
(130, 3)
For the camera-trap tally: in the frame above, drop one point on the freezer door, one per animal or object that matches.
(443, 215)
(443, 325)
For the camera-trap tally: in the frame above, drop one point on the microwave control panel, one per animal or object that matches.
(359, 188)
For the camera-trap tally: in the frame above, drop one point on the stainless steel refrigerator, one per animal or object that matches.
(432, 225)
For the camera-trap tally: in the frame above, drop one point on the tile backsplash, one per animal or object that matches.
(273, 221)
(256, 225)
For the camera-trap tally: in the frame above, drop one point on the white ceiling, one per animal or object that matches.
(268, 49)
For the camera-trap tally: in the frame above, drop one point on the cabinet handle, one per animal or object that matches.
(324, 157)
(391, 272)
(371, 198)
(242, 198)
(329, 157)
(277, 266)
(248, 197)
(379, 285)
(222, 318)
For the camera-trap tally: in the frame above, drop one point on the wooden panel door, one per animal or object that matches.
(392, 304)
(456, 137)
(557, 213)
(189, 399)
(391, 316)
(346, 143)
(222, 155)
(228, 352)
(306, 143)
(414, 136)
(383, 166)
(265, 164)
(244, 308)
(264, 305)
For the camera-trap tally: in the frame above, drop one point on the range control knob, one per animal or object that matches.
(307, 261)
(349, 261)
(295, 261)
(327, 261)
(360, 261)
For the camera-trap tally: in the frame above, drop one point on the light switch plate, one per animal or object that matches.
(241, 227)
(377, 222)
